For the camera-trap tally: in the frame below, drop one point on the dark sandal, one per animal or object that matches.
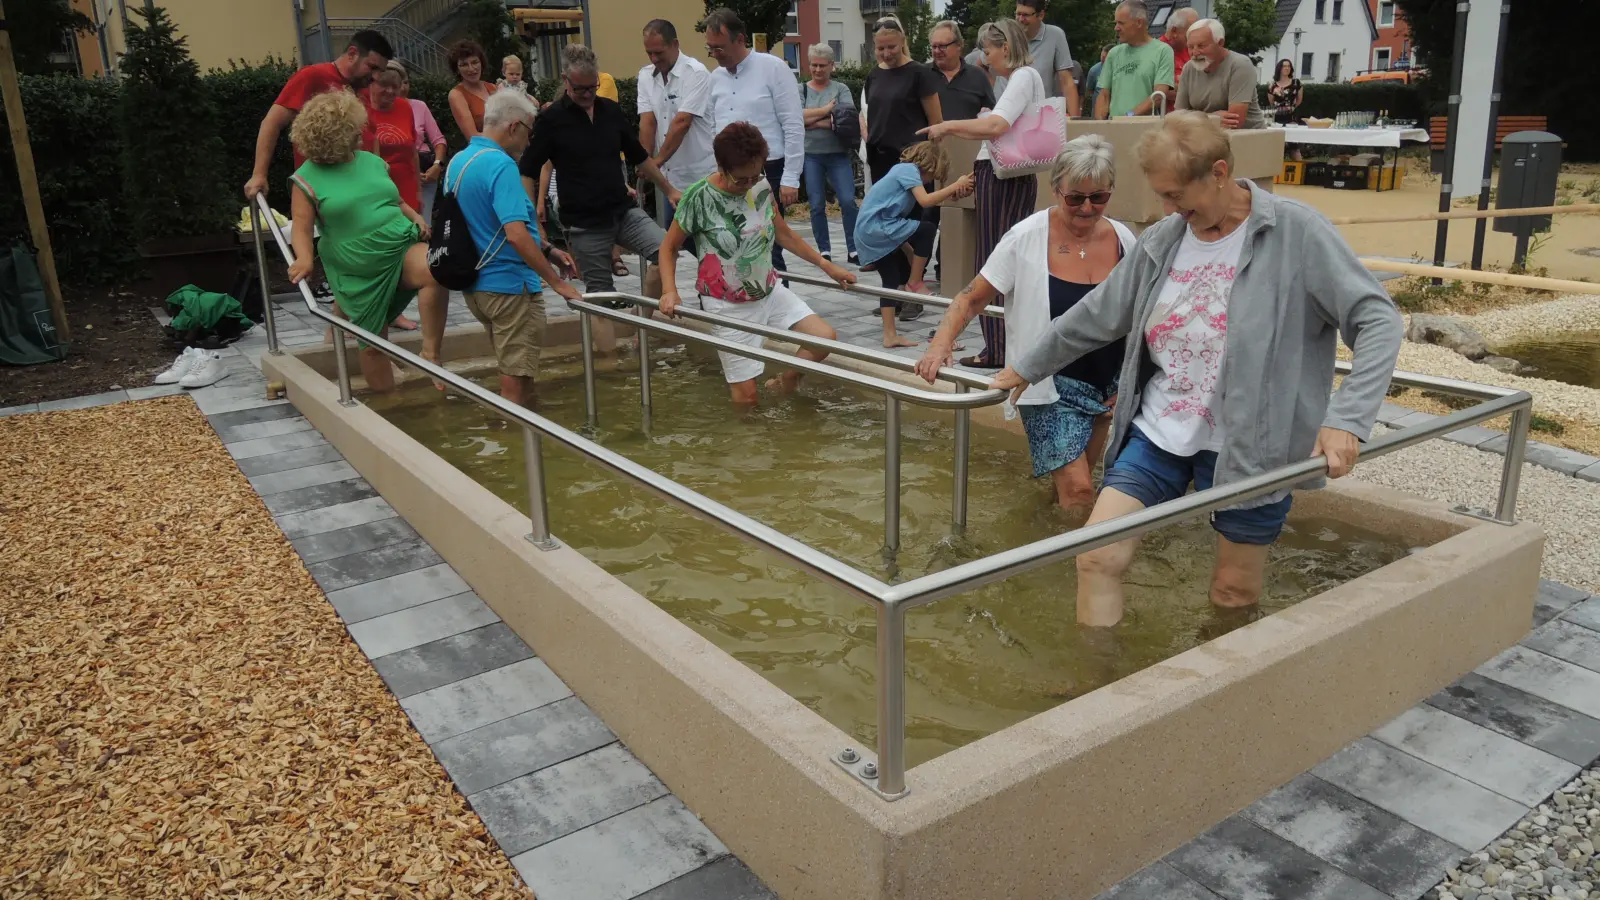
(973, 362)
(620, 268)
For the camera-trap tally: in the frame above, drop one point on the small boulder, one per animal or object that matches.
(1449, 333)
(1508, 365)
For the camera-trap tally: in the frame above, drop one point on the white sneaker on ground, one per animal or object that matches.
(207, 370)
(180, 367)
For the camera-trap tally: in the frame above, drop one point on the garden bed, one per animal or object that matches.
(116, 344)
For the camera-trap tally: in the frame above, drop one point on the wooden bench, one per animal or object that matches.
(1438, 128)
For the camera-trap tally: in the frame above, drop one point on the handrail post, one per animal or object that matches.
(586, 335)
(644, 376)
(891, 477)
(963, 452)
(266, 289)
(538, 508)
(891, 698)
(1511, 474)
(342, 361)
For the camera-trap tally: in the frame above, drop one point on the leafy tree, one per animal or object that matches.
(760, 16)
(490, 23)
(1249, 24)
(37, 28)
(1089, 24)
(917, 17)
(973, 14)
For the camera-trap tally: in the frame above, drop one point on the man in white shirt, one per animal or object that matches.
(674, 110)
(760, 89)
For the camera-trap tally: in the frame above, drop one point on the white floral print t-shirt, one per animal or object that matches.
(1186, 333)
(733, 234)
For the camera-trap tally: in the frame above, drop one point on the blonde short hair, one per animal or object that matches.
(328, 129)
(1188, 144)
(1009, 34)
(929, 157)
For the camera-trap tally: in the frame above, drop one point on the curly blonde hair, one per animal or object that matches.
(328, 129)
(928, 157)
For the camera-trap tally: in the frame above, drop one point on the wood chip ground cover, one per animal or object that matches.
(181, 712)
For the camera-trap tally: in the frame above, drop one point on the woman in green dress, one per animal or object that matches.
(372, 243)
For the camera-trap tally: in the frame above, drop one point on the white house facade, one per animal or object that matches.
(1327, 40)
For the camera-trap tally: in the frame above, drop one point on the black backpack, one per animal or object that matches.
(453, 258)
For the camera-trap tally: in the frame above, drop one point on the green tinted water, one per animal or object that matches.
(1572, 357)
(812, 466)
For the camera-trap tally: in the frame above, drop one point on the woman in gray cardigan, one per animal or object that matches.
(1230, 312)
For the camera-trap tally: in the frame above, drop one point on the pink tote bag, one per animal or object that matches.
(1033, 141)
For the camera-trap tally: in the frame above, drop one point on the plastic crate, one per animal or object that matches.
(1294, 172)
(1317, 174)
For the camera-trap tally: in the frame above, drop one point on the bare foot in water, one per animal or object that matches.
(786, 383)
(404, 324)
(899, 340)
(434, 358)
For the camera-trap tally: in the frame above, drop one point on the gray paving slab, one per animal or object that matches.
(1534, 721)
(1545, 676)
(289, 459)
(622, 857)
(1585, 613)
(251, 416)
(1473, 435)
(381, 562)
(480, 700)
(318, 496)
(303, 477)
(527, 742)
(85, 402)
(258, 430)
(542, 806)
(1568, 641)
(730, 879)
(253, 399)
(19, 410)
(1159, 879)
(148, 392)
(1589, 473)
(1415, 418)
(333, 518)
(421, 624)
(449, 659)
(1390, 413)
(1553, 599)
(279, 444)
(357, 539)
(382, 596)
(1463, 813)
(1484, 757)
(1375, 846)
(1239, 859)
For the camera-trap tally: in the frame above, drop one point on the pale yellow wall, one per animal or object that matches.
(243, 30)
(353, 9)
(617, 31)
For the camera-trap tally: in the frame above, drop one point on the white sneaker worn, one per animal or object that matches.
(180, 367)
(207, 370)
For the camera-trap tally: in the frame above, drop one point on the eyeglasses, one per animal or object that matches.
(944, 46)
(1098, 198)
(743, 182)
(573, 88)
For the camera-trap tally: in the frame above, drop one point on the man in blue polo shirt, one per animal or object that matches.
(507, 298)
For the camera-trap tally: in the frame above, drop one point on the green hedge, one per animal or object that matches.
(1324, 101)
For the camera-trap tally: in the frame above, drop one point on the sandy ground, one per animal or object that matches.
(181, 712)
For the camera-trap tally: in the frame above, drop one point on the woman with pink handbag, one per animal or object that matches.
(1023, 133)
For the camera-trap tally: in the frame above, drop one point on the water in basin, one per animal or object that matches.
(812, 466)
(1572, 357)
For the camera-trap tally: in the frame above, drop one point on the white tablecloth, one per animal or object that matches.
(1354, 137)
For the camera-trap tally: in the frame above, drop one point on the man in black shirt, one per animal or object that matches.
(966, 90)
(584, 135)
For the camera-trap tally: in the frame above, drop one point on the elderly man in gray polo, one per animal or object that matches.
(1218, 80)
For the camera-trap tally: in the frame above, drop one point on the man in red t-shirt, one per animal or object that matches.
(368, 52)
(1177, 37)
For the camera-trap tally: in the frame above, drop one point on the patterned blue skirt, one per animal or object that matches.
(1059, 432)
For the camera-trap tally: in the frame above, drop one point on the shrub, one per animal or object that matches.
(241, 95)
(1324, 101)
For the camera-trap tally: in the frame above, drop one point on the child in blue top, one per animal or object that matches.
(891, 234)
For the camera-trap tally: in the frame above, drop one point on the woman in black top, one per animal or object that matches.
(1285, 94)
(901, 98)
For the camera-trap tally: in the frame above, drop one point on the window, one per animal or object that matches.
(838, 50)
(791, 54)
(1380, 58)
(1322, 10)
(791, 24)
(1338, 10)
(1333, 67)
(1307, 61)
(1158, 20)
(1386, 14)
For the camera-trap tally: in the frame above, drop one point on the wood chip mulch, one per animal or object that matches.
(181, 712)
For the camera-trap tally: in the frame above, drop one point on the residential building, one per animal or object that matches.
(1328, 40)
(1392, 47)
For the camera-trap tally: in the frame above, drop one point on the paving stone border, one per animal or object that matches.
(1560, 459)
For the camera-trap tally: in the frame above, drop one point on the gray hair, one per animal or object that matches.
(820, 51)
(955, 30)
(1136, 9)
(579, 59)
(508, 108)
(1007, 33)
(1180, 16)
(1218, 33)
(1087, 158)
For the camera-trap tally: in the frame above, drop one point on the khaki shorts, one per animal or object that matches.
(515, 323)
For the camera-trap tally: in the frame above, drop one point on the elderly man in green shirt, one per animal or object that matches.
(1136, 68)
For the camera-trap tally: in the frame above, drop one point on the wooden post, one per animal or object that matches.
(11, 94)
(1469, 214)
(1505, 279)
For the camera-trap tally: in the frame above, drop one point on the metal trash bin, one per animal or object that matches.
(1530, 166)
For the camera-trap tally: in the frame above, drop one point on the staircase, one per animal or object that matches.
(413, 27)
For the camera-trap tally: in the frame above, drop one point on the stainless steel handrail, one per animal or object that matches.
(886, 775)
(996, 312)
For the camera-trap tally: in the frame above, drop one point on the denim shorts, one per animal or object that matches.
(1151, 475)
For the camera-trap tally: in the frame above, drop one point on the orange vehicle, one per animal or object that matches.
(1404, 76)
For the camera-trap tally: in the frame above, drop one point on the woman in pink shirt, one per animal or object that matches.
(430, 147)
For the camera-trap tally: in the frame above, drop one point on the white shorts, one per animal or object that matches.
(782, 308)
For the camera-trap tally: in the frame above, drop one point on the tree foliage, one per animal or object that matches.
(917, 17)
(760, 16)
(1249, 24)
(490, 23)
(37, 28)
(1087, 23)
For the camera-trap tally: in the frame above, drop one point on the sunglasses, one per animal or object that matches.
(574, 88)
(1098, 198)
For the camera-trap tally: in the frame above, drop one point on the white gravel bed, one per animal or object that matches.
(1578, 312)
(1557, 398)
(1567, 508)
(1549, 854)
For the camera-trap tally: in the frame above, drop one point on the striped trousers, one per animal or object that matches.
(1001, 203)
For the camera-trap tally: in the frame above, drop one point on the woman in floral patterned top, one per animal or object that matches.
(731, 216)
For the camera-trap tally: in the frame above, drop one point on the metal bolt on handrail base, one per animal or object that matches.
(863, 768)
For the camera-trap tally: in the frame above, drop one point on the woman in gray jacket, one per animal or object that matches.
(1230, 312)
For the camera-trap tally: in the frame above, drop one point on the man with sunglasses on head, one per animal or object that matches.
(582, 134)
